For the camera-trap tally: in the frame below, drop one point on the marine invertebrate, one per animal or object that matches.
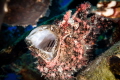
(67, 47)
(109, 9)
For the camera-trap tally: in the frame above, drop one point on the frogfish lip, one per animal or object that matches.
(43, 42)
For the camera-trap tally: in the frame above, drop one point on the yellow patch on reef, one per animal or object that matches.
(8, 50)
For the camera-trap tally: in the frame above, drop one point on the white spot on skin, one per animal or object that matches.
(45, 69)
(108, 12)
(75, 41)
(53, 74)
(60, 69)
(88, 46)
(71, 21)
(36, 62)
(112, 4)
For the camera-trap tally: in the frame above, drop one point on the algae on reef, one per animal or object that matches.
(104, 67)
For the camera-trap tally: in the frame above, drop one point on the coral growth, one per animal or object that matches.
(110, 9)
(75, 41)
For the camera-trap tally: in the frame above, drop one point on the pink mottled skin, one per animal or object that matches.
(62, 45)
(76, 37)
(85, 6)
(67, 15)
(65, 19)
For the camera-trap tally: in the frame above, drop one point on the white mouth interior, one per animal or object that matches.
(44, 40)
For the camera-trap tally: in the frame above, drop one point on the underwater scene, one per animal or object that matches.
(59, 40)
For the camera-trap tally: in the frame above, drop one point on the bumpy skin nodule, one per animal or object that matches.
(76, 40)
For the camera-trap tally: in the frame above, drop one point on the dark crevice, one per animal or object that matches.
(114, 64)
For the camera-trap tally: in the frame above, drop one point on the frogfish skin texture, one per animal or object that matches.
(63, 49)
